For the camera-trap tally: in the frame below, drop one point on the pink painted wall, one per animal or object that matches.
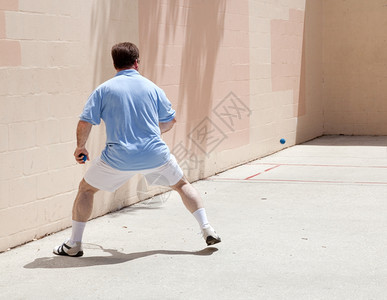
(354, 67)
(240, 74)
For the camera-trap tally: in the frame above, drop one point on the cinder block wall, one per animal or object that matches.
(240, 74)
(355, 67)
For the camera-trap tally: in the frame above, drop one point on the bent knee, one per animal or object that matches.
(84, 187)
(182, 182)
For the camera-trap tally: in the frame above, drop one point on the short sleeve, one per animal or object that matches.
(165, 110)
(92, 110)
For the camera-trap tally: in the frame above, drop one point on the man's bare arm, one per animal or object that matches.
(83, 131)
(164, 127)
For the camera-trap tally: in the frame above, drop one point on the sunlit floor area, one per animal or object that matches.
(308, 222)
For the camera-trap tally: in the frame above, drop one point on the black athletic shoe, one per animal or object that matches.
(210, 236)
(66, 250)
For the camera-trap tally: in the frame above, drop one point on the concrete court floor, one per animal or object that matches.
(308, 222)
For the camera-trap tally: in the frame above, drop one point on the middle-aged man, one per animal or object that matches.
(135, 112)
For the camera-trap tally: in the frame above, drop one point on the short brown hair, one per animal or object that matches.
(124, 55)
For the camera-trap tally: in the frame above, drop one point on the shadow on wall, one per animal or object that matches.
(301, 101)
(179, 43)
(310, 109)
(202, 42)
(345, 141)
(111, 22)
(102, 66)
(193, 30)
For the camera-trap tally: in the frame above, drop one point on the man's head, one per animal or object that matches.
(125, 56)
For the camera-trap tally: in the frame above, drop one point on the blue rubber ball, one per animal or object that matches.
(282, 141)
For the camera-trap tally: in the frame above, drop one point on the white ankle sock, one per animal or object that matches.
(201, 216)
(77, 231)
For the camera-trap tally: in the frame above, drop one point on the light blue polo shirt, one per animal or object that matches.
(131, 107)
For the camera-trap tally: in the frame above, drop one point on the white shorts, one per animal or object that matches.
(103, 177)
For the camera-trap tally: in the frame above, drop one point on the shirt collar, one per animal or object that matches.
(127, 72)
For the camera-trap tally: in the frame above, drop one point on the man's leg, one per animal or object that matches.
(83, 204)
(188, 194)
(193, 202)
(82, 209)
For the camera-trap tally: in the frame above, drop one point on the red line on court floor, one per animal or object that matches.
(295, 181)
(316, 165)
(252, 177)
(267, 170)
(306, 181)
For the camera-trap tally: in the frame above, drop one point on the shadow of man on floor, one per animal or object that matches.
(115, 257)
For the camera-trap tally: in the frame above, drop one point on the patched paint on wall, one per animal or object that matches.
(10, 50)
(287, 57)
(9, 4)
(10, 53)
(2, 24)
